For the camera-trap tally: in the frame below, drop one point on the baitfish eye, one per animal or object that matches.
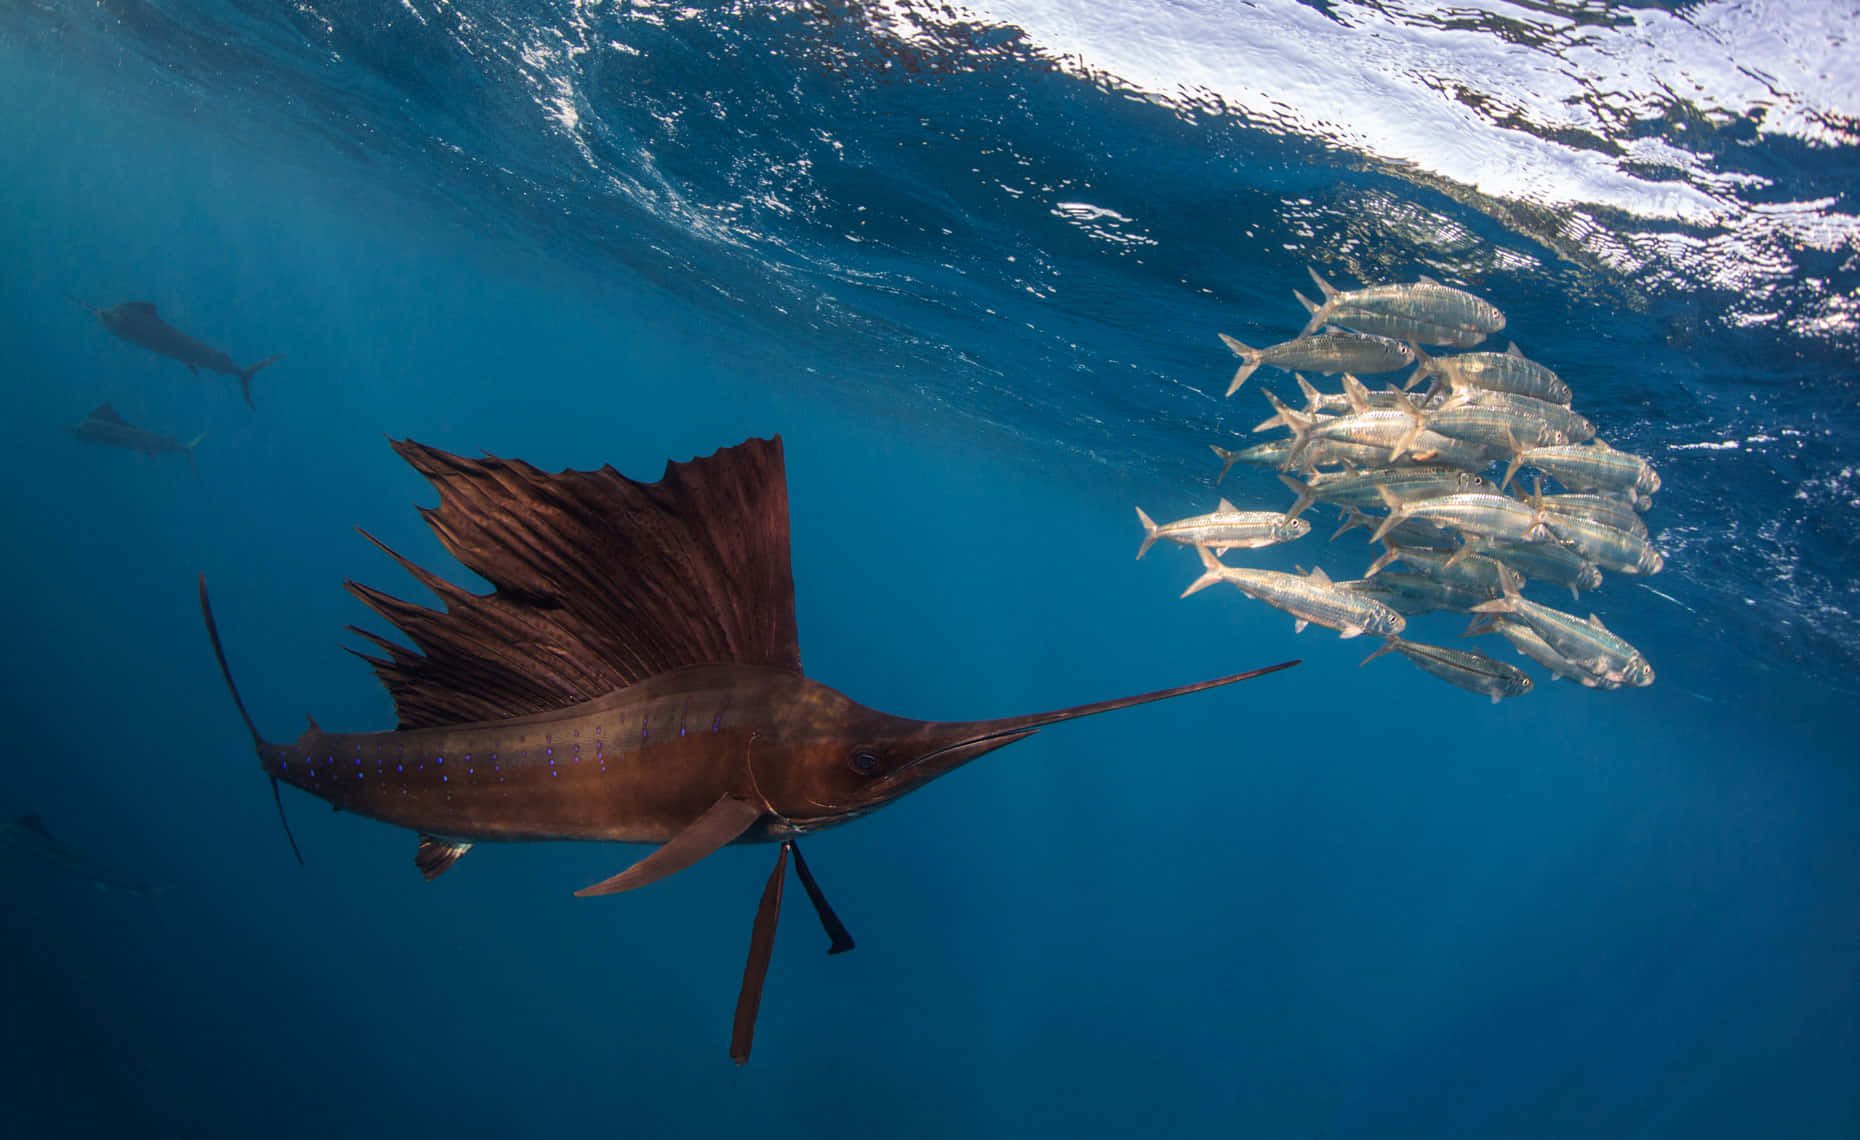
(863, 762)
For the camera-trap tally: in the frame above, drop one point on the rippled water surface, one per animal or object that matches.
(972, 260)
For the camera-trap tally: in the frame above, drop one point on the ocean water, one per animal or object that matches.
(970, 263)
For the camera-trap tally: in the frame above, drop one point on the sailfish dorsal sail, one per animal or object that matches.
(600, 581)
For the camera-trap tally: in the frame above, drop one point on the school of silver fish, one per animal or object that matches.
(1417, 466)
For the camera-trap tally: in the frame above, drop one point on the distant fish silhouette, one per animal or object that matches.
(138, 323)
(27, 836)
(635, 676)
(105, 428)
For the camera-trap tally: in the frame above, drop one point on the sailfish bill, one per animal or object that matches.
(633, 676)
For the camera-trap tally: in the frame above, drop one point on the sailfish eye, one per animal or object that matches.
(864, 762)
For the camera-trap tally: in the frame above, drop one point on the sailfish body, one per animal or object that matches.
(634, 766)
(634, 676)
(139, 323)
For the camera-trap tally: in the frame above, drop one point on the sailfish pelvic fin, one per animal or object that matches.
(756, 970)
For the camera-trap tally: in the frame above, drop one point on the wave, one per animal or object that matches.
(1688, 146)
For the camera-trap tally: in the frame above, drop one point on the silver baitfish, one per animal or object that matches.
(1336, 403)
(1363, 488)
(1409, 533)
(1308, 598)
(1272, 454)
(1571, 424)
(1413, 594)
(1507, 371)
(1425, 312)
(1525, 640)
(1484, 515)
(1459, 565)
(1469, 669)
(1504, 431)
(1591, 467)
(1609, 547)
(1550, 562)
(1428, 449)
(1398, 431)
(1587, 644)
(1333, 350)
(1343, 453)
(1226, 528)
(1609, 509)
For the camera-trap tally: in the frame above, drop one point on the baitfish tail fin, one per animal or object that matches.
(1215, 572)
(1227, 458)
(1398, 511)
(1314, 399)
(246, 374)
(1352, 519)
(1318, 312)
(1389, 645)
(1269, 423)
(1511, 468)
(1540, 530)
(1249, 361)
(1356, 393)
(1480, 625)
(1391, 554)
(1300, 426)
(1306, 496)
(1413, 433)
(258, 742)
(1508, 603)
(1150, 528)
(1423, 366)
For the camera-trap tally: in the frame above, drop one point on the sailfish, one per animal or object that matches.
(634, 676)
(140, 324)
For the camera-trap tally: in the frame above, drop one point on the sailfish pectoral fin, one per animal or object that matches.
(720, 824)
(756, 970)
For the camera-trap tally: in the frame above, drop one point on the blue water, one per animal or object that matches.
(971, 270)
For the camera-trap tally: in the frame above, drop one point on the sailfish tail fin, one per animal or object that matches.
(258, 742)
(246, 374)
